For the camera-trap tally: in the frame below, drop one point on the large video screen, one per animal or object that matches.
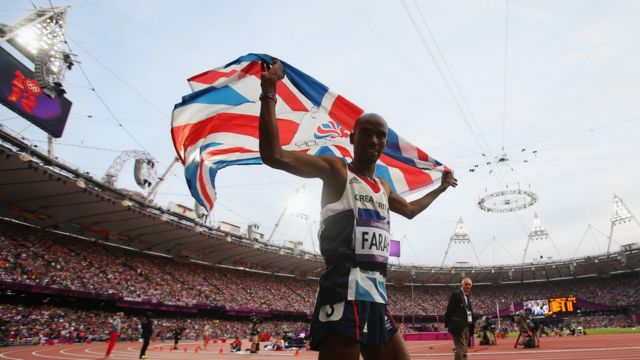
(547, 307)
(538, 307)
(21, 93)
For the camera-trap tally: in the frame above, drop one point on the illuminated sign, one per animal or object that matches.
(562, 304)
(21, 92)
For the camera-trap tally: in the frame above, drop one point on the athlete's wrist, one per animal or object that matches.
(270, 95)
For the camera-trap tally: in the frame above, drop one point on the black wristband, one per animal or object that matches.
(269, 95)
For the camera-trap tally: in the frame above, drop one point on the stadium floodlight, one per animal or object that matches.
(25, 157)
(128, 203)
(538, 232)
(298, 205)
(81, 184)
(620, 215)
(39, 36)
(460, 236)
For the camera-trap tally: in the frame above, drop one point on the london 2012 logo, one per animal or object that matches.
(330, 130)
(25, 91)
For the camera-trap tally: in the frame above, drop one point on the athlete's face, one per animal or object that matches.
(369, 137)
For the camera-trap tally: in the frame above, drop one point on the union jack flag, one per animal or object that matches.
(217, 126)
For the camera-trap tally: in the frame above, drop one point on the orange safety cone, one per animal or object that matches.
(221, 351)
(297, 352)
(185, 349)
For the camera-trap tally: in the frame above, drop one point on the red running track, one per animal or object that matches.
(589, 347)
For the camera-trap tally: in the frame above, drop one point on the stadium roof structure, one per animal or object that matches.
(47, 193)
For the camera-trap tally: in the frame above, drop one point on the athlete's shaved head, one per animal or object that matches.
(365, 118)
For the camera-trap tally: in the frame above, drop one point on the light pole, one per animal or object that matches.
(413, 280)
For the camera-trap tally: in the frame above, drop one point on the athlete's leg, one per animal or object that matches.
(145, 345)
(393, 349)
(337, 346)
(112, 342)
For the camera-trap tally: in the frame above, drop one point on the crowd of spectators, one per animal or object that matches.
(36, 256)
(43, 323)
(621, 291)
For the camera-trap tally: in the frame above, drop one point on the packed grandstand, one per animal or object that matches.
(74, 250)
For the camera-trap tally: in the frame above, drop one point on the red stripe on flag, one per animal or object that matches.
(186, 135)
(215, 152)
(252, 68)
(414, 177)
(422, 155)
(344, 151)
(345, 112)
(289, 97)
(211, 76)
(203, 187)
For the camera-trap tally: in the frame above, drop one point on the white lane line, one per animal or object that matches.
(64, 351)
(35, 353)
(5, 356)
(528, 351)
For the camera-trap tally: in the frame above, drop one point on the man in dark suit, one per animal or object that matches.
(459, 318)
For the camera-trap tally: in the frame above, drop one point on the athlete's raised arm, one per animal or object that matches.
(271, 150)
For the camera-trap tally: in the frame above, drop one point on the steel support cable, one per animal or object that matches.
(380, 34)
(589, 58)
(506, 70)
(162, 112)
(480, 143)
(156, 30)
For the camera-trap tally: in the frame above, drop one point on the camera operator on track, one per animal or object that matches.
(255, 334)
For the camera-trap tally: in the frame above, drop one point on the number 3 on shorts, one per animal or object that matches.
(331, 312)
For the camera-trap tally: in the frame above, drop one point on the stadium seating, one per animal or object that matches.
(31, 256)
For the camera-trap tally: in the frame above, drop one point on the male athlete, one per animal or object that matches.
(350, 316)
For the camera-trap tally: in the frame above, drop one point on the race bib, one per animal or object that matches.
(372, 239)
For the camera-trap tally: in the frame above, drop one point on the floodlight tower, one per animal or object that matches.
(620, 215)
(298, 208)
(39, 36)
(538, 233)
(460, 236)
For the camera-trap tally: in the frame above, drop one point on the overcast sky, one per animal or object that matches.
(552, 83)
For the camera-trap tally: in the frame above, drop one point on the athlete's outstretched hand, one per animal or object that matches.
(270, 76)
(448, 180)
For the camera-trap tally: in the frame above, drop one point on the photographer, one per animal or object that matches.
(177, 335)
(525, 326)
(255, 333)
(236, 345)
(4, 341)
(147, 331)
(487, 331)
